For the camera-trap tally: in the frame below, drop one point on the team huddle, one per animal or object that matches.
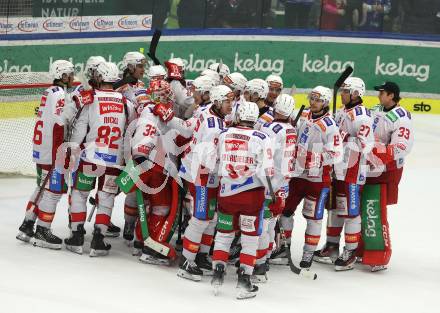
(224, 159)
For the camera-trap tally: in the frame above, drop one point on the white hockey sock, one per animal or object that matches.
(249, 245)
(263, 243)
(192, 237)
(352, 232)
(47, 208)
(312, 235)
(334, 226)
(287, 224)
(222, 246)
(78, 208)
(208, 236)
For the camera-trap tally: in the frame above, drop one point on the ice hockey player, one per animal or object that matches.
(237, 82)
(245, 159)
(319, 147)
(133, 65)
(201, 87)
(150, 150)
(221, 69)
(213, 75)
(158, 92)
(156, 72)
(394, 135)
(198, 169)
(100, 130)
(176, 77)
(275, 84)
(355, 126)
(49, 132)
(283, 136)
(256, 90)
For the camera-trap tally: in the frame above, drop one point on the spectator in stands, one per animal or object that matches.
(315, 15)
(237, 13)
(353, 11)
(332, 13)
(192, 13)
(421, 16)
(297, 13)
(373, 12)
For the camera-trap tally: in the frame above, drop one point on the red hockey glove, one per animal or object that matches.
(384, 152)
(85, 97)
(164, 111)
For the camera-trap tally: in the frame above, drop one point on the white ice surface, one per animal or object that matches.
(40, 280)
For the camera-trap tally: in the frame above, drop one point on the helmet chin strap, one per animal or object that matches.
(353, 103)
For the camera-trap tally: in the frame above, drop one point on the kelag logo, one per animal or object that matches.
(128, 22)
(421, 107)
(28, 26)
(53, 25)
(104, 24)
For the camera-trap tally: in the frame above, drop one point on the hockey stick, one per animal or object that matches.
(338, 85)
(293, 267)
(153, 46)
(299, 271)
(92, 201)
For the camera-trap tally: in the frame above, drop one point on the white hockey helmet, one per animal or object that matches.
(322, 93)
(179, 62)
(354, 84)
(236, 81)
(211, 74)
(108, 72)
(257, 86)
(91, 65)
(60, 67)
(221, 93)
(247, 111)
(284, 105)
(274, 81)
(203, 84)
(156, 71)
(133, 58)
(220, 68)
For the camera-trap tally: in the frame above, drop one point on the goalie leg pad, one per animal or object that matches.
(375, 228)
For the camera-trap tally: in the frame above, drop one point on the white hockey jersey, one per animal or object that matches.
(129, 92)
(183, 99)
(393, 128)
(199, 162)
(101, 127)
(356, 129)
(229, 119)
(245, 159)
(49, 126)
(154, 141)
(283, 137)
(319, 147)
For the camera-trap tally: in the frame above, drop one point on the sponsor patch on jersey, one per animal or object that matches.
(140, 92)
(368, 112)
(36, 154)
(328, 121)
(211, 122)
(290, 140)
(110, 158)
(400, 112)
(408, 114)
(303, 138)
(306, 130)
(220, 123)
(354, 201)
(55, 89)
(259, 135)
(201, 202)
(247, 223)
(43, 100)
(392, 116)
(110, 107)
(321, 126)
(358, 110)
(321, 202)
(276, 129)
(236, 145)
